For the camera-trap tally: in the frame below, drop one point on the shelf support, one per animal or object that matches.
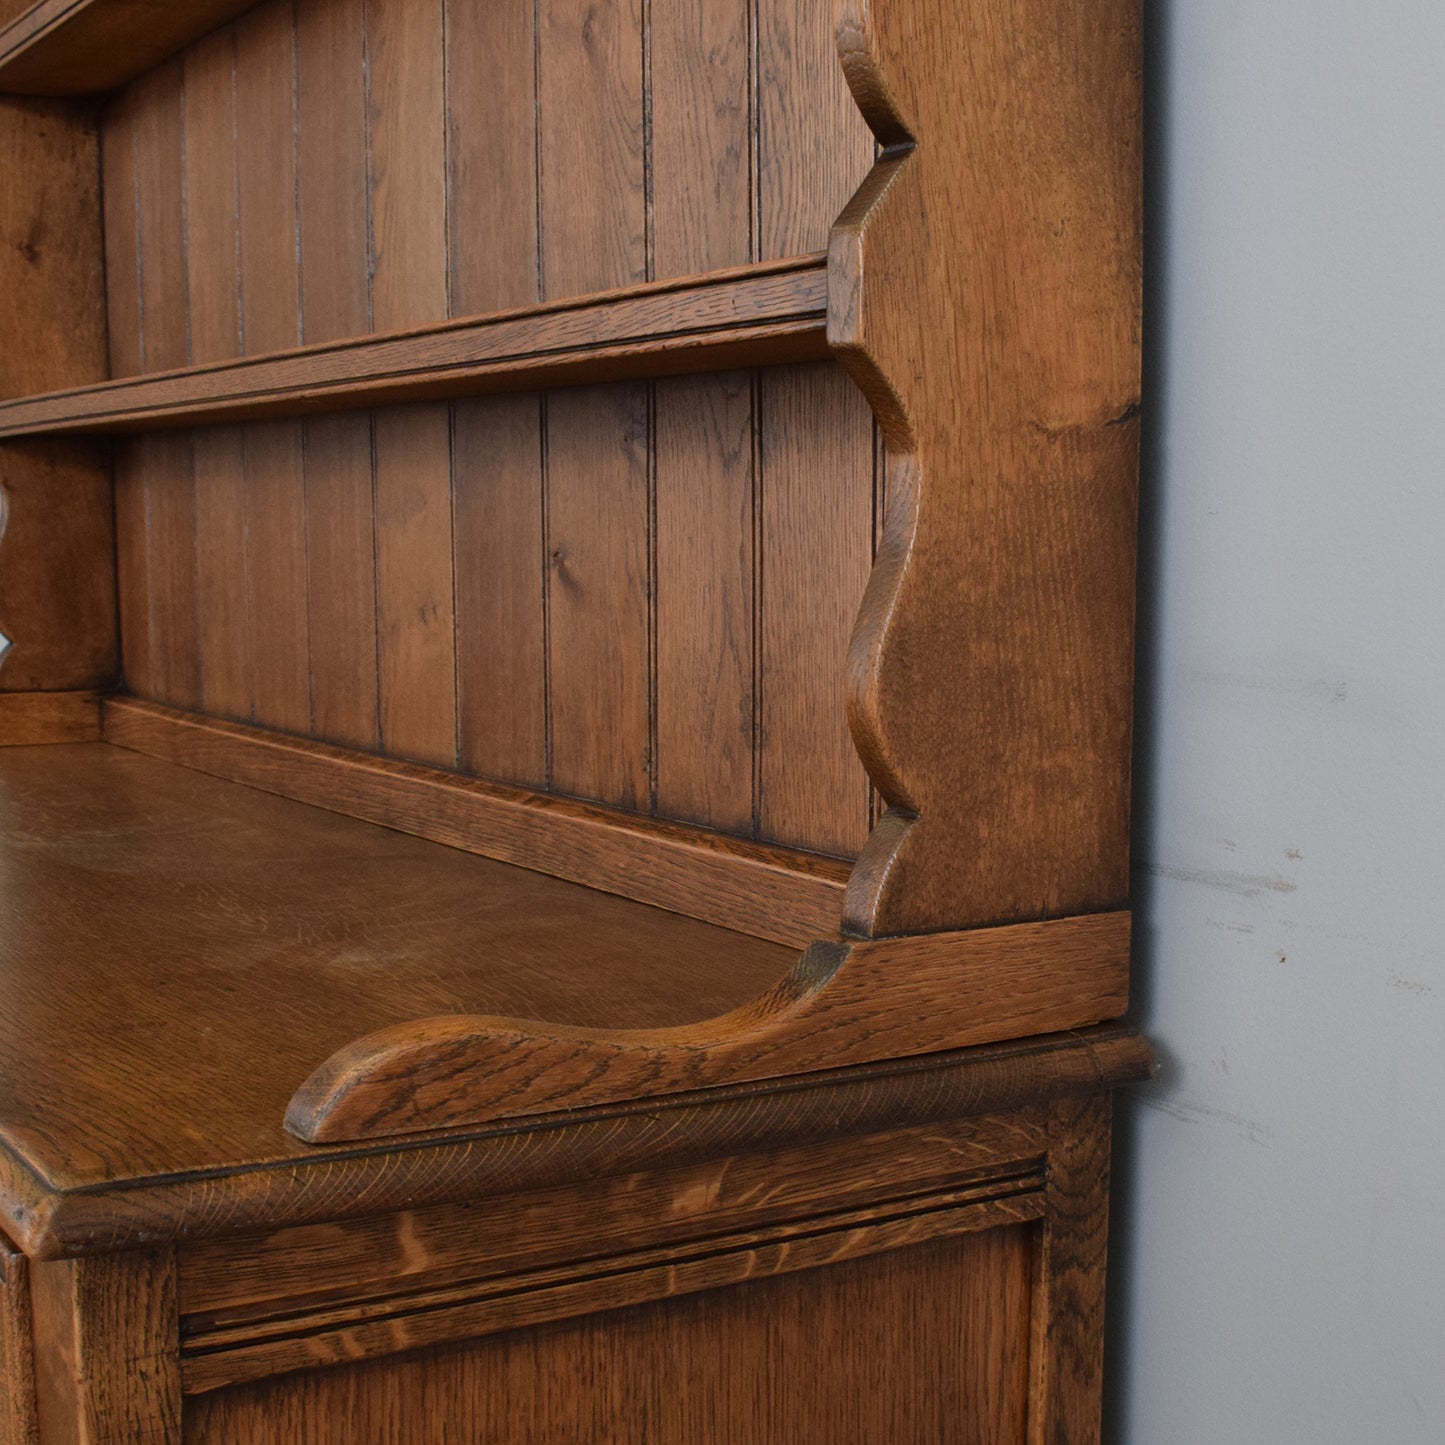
(845, 1002)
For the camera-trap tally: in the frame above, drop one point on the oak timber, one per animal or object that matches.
(770, 313)
(780, 894)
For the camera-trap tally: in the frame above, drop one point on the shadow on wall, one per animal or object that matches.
(1158, 22)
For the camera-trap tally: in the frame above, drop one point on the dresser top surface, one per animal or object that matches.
(177, 953)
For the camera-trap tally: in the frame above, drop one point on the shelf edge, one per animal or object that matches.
(744, 316)
(764, 891)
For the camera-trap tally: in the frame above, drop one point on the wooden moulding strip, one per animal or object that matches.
(361, 1330)
(846, 1001)
(774, 893)
(28, 718)
(745, 316)
(358, 1181)
(83, 47)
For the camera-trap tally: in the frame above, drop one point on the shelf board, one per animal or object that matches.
(86, 47)
(180, 952)
(746, 316)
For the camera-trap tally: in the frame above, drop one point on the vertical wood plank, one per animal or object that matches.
(814, 147)
(57, 582)
(266, 178)
(336, 302)
(122, 238)
(270, 317)
(1066, 1357)
(132, 566)
(700, 144)
(214, 281)
(341, 579)
(817, 522)
(593, 206)
(501, 686)
(107, 1342)
(221, 571)
(702, 219)
(331, 161)
(416, 635)
(18, 1422)
(166, 464)
(406, 120)
(497, 447)
(212, 238)
(816, 443)
(415, 606)
(491, 156)
(593, 202)
(276, 567)
(598, 593)
(705, 601)
(165, 340)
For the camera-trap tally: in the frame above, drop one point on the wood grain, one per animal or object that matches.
(415, 603)
(332, 183)
(341, 579)
(598, 579)
(222, 1358)
(52, 302)
(164, 467)
(500, 577)
(340, 504)
(80, 47)
(715, 322)
(1067, 1350)
(701, 141)
(106, 1334)
(160, 191)
(842, 1003)
(57, 584)
(212, 216)
(990, 675)
(228, 1282)
(774, 893)
(223, 571)
(317, 1186)
(18, 1423)
(121, 282)
(266, 178)
(591, 166)
(912, 1346)
(706, 603)
(276, 574)
(816, 525)
(491, 91)
(30, 718)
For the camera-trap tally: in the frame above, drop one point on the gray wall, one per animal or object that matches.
(1280, 1216)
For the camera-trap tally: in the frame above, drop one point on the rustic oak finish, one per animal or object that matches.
(485, 955)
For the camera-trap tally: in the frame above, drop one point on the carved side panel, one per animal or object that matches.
(57, 581)
(985, 295)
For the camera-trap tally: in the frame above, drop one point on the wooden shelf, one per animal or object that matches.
(82, 47)
(180, 952)
(745, 316)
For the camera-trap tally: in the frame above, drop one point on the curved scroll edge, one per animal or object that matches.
(843, 1003)
(855, 336)
(382, 1083)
